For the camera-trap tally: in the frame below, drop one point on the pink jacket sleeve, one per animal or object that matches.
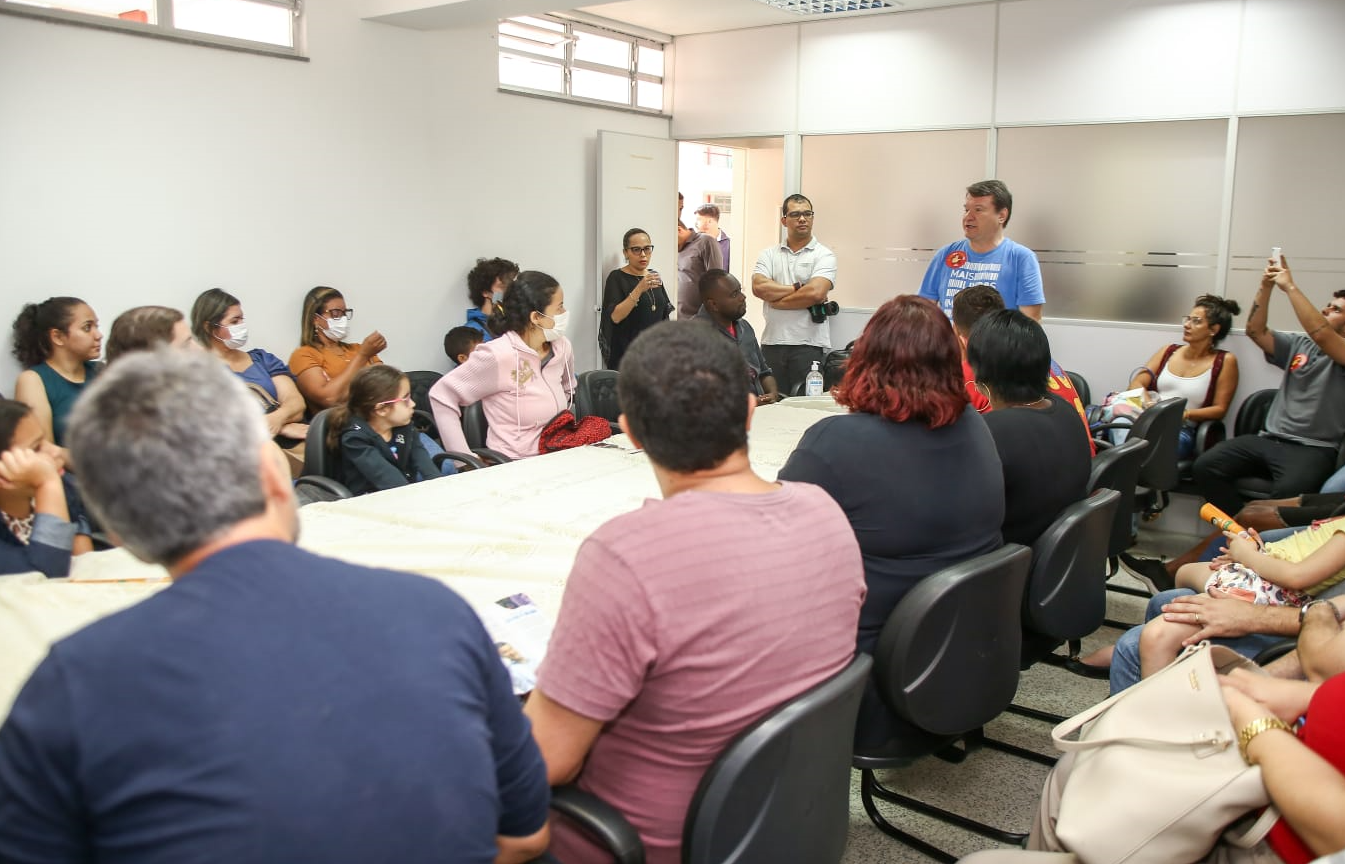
(474, 380)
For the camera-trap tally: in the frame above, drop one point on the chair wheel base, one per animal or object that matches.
(870, 788)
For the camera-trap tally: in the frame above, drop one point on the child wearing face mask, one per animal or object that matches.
(486, 284)
(380, 448)
(522, 378)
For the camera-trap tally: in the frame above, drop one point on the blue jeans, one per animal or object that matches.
(1334, 483)
(1125, 660)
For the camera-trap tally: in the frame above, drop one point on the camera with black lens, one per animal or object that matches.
(820, 311)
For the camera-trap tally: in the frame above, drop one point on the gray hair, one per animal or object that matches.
(167, 447)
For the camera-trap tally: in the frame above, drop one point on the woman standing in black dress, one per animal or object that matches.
(633, 298)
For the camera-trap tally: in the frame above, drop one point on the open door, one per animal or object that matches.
(636, 189)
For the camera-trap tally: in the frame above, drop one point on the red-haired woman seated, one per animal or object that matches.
(912, 465)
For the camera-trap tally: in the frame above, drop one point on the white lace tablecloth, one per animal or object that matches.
(487, 534)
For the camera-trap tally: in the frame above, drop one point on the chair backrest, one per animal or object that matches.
(1160, 424)
(947, 658)
(781, 790)
(474, 424)
(1119, 468)
(318, 459)
(421, 382)
(1253, 412)
(1066, 595)
(595, 395)
(1081, 387)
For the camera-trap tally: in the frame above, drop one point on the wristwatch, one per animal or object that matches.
(1303, 610)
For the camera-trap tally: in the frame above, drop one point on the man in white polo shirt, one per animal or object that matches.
(790, 278)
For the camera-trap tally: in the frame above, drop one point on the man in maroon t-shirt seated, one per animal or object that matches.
(664, 651)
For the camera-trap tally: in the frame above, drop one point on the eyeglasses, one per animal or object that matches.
(640, 250)
(338, 314)
(800, 214)
(406, 398)
(1191, 319)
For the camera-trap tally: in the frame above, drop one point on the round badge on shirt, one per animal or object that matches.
(956, 259)
(1299, 361)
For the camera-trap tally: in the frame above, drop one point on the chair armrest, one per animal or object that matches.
(491, 457)
(1102, 426)
(600, 819)
(1209, 433)
(1275, 652)
(326, 484)
(467, 459)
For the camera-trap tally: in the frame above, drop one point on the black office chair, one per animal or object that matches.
(1081, 387)
(1251, 419)
(421, 382)
(595, 396)
(1161, 425)
(319, 460)
(1066, 596)
(779, 792)
(947, 663)
(1119, 469)
(474, 429)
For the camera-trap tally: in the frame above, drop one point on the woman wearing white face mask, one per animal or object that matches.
(522, 378)
(324, 363)
(217, 323)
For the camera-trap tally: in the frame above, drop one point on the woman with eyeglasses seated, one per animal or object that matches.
(633, 299)
(522, 378)
(218, 324)
(912, 465)
(324, 363)
(1195, 368)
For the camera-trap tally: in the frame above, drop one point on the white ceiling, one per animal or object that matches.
(671, 17)
(683, 17)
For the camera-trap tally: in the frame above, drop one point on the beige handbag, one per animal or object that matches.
(1156, 775)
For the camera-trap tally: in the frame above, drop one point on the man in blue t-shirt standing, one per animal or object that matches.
(986, 256)
(271, 705)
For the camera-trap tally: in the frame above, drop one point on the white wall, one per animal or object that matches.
(135, 171)
(1007, 66)
(1010, 63)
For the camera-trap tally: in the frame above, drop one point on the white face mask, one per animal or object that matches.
(497, 298)
(336, 328)
(238, 335)
(557, 330)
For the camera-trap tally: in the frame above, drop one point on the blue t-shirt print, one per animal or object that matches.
(1010, 267)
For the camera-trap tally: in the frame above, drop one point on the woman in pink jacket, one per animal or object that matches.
(522, 378)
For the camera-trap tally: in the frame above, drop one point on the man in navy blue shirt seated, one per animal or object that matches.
(271, 705)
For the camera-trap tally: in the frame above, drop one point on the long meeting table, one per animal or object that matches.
(509, 529)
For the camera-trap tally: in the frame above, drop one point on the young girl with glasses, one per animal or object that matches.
(379, 446)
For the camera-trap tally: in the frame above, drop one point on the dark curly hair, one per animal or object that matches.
(32, 329)
(1218, 311)
(482, 277)
(530, 292)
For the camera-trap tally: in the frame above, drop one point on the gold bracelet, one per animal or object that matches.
(1256, 727)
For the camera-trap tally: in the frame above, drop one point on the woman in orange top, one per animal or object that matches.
(324, 363)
